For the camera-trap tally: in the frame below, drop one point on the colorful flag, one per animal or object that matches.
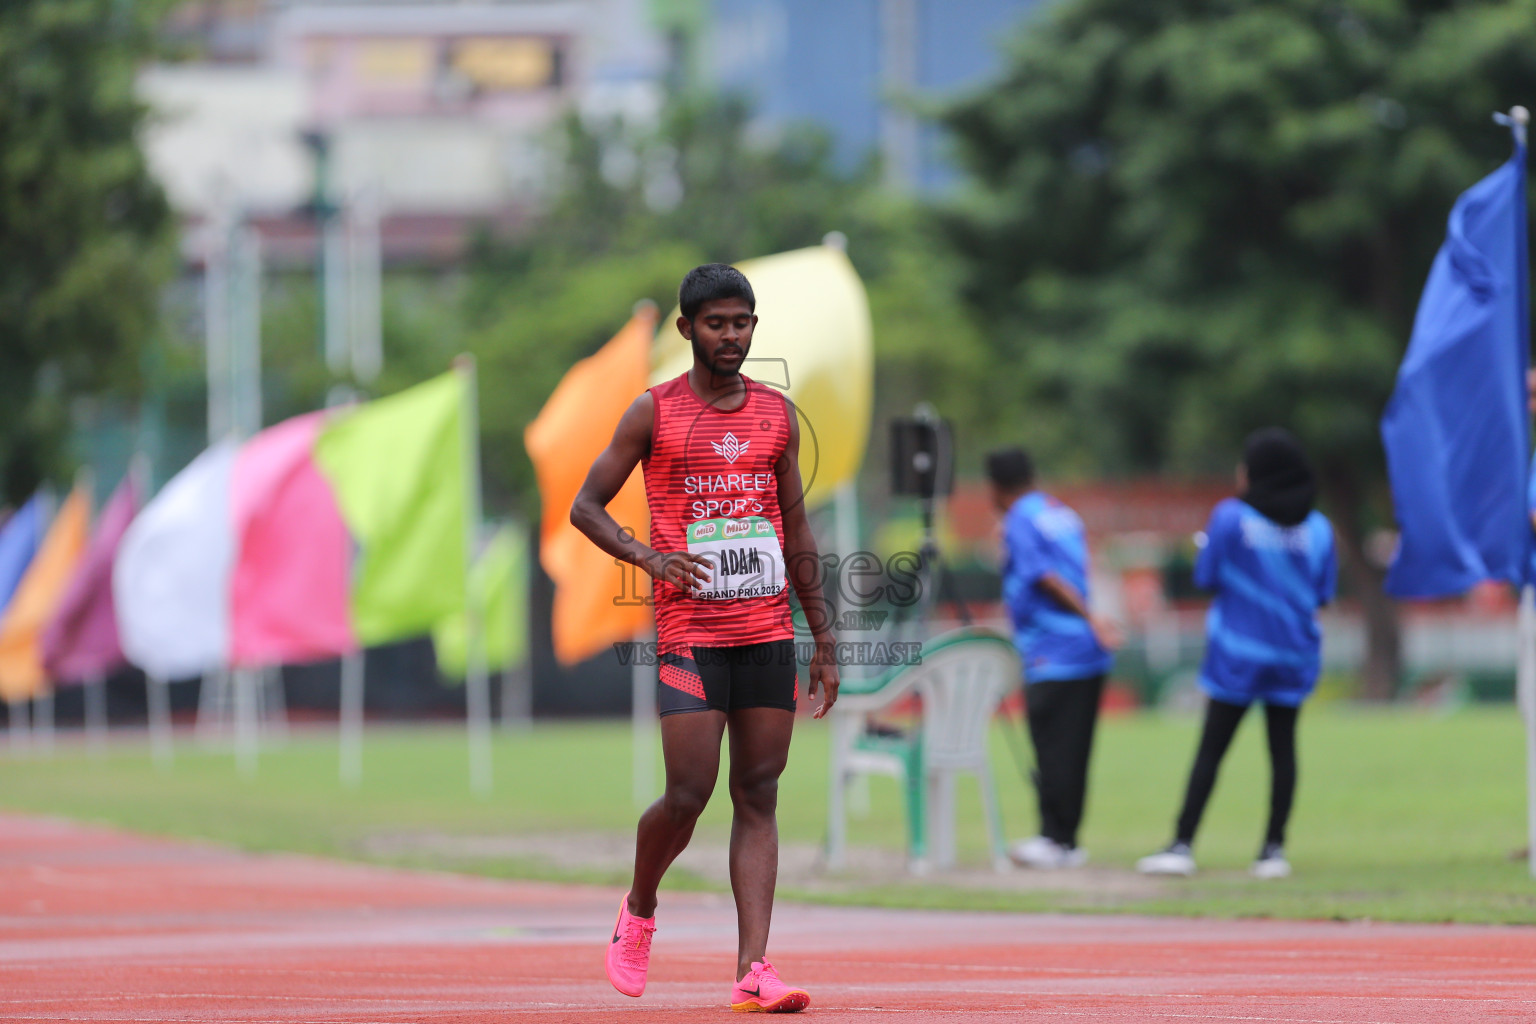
(1456, 430)
(814, 341)
(500, 576)
(171, 577)
(19, 539)
(289, 591)
(596, 601)
(318, 535)
(81, 640)
(37, 598)
(400, 470)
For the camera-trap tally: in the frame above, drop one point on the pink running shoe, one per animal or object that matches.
(761, 991)
(629, 951)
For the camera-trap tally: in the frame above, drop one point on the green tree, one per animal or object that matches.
(1192, 218)
(636, 208)
(85, 240)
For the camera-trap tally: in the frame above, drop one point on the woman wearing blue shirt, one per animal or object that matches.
(1269, 558)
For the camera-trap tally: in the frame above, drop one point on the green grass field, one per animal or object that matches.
(1402, 814)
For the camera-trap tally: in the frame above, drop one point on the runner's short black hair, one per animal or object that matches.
(1011, 468)
(710, 282)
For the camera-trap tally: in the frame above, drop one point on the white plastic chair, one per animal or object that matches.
(961, 680)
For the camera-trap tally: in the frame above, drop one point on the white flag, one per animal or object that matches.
(170, 581)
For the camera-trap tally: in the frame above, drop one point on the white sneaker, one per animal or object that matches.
(1271, 863)
(1046, 854)
(1175, 860)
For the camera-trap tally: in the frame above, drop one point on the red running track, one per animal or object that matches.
(97, 925)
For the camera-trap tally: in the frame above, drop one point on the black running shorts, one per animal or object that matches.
(729, 678)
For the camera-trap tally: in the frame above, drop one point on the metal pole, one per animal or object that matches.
(845, 504)
(213, 706)
(334, 299)
(365, 269)
(517, 680)
(43, 721)
(96, 713)
(642, 680)
(216, 325)
(477, 695)
(1525, 675)
(246, 724)
(1525, 689)
(159, 720)
(245, 330)
(353, 666)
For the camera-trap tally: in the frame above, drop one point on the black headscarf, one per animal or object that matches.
(1280, 481)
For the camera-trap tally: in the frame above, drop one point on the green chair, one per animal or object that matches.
(961, 680)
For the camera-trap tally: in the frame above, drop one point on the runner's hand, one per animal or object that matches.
(682, 569)
(823, 673)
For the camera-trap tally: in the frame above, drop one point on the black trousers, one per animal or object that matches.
(1062, 714)
(1221, 722)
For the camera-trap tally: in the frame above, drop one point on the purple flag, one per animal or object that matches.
(81, 641)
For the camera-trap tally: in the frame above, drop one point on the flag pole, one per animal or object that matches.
(477, 697)
(42, 715)
(159, 720)
(1525, 693)
(644, 663)
(351, 715)
(96, 713)
(247, 726)
(1517, 120)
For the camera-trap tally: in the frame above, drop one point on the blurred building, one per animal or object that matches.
(854, 67)
(440, 110)
(437, 114)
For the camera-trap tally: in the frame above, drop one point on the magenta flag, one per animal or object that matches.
(81, 642)
(289, 598)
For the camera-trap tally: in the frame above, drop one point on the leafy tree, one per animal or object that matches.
(84, 231)
(1191, 218)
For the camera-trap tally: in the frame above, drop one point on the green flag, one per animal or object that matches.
(399, 469)
(501, 574)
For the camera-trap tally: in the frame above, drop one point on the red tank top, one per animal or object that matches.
(711, 488)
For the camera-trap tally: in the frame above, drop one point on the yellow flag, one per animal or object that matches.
(597, 602)
(38, 596)
(814, 341)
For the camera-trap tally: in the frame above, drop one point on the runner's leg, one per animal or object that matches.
(690, 745)
(759, 748)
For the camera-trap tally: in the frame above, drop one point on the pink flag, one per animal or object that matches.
(290, 592)
(81, 640)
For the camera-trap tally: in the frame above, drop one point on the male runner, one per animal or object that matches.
(728, 525)
(1064, 647)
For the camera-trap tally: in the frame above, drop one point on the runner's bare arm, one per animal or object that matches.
(589, 512)
(804, 565)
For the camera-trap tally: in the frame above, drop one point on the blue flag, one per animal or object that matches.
(19, 540)
(1457, 432)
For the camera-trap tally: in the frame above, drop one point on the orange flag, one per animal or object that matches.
(38, 596)
(597, 603)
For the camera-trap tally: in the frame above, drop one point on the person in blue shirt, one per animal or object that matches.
(1269, 557)
(1065, 650)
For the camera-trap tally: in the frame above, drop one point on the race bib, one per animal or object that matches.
(744, 556)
